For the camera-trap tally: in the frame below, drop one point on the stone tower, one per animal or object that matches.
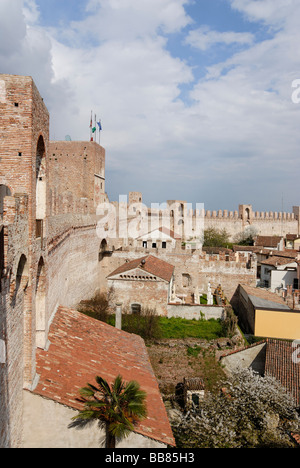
(24, 137)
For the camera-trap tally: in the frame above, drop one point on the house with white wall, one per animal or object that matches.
(278, 273)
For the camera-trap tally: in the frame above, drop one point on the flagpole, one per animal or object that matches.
(91, 125)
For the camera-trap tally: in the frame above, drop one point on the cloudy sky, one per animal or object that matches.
(196, 98)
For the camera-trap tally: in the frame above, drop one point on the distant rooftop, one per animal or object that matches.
(261, 298)
(267, 241)
(150, 264)
(281, 366)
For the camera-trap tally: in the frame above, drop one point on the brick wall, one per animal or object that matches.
(202, 269)
(76, 177)
(57, 264)
(147, 294)
(23, 120)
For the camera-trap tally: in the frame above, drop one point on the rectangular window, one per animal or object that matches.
(164, 245)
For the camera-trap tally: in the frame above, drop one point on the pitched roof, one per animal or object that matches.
(163, 230)
(246, 248)
(169, 232)
(193, 383)
(261, 297)
(291, 237)
(290, 253)
(151, 264)
(281, 365)
(277, 261)
(80, 349)
(267, 241)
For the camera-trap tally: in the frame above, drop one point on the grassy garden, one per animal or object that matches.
(153, 327)
(150, 326)
(171, 363)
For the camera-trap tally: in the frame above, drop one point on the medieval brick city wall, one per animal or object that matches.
(76, 177)
(187, 222)
(24, 119)
(49, 248)
(13, 299)
(263, 223)
(73, 268)
(76, 186)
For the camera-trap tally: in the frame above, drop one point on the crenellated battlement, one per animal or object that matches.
(255, 215)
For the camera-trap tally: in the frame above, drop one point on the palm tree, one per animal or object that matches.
(116, 408)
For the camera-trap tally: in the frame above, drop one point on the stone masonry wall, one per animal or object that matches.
(201, 270)
(148, 294)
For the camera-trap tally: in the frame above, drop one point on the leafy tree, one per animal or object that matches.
(249, 412)
(246, 237)
(146, 324)
(215, 238)
(117, 408)
(230, 322)
(99, 306)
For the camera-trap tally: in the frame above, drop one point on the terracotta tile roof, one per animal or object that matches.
(267, 241)
(152, 265)
(291, 237)
(290, 253)
(193, 383)
(277, 261)
(80, 349)
(246, 248)
(261, 250)
(281, 365)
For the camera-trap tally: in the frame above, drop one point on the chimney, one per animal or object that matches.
(119, 315)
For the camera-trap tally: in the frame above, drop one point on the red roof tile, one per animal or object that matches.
(282, 365)
(80, 349)
(267, 241)
(152, 265)
(277, 261)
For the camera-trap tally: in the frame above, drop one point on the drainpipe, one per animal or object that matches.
(2, 352)
(119, 315)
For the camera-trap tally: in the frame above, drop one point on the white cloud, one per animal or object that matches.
(12, 27)
(30, 11)
(274, 13)
(114, 19)
(241, 128)
(204, 38)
